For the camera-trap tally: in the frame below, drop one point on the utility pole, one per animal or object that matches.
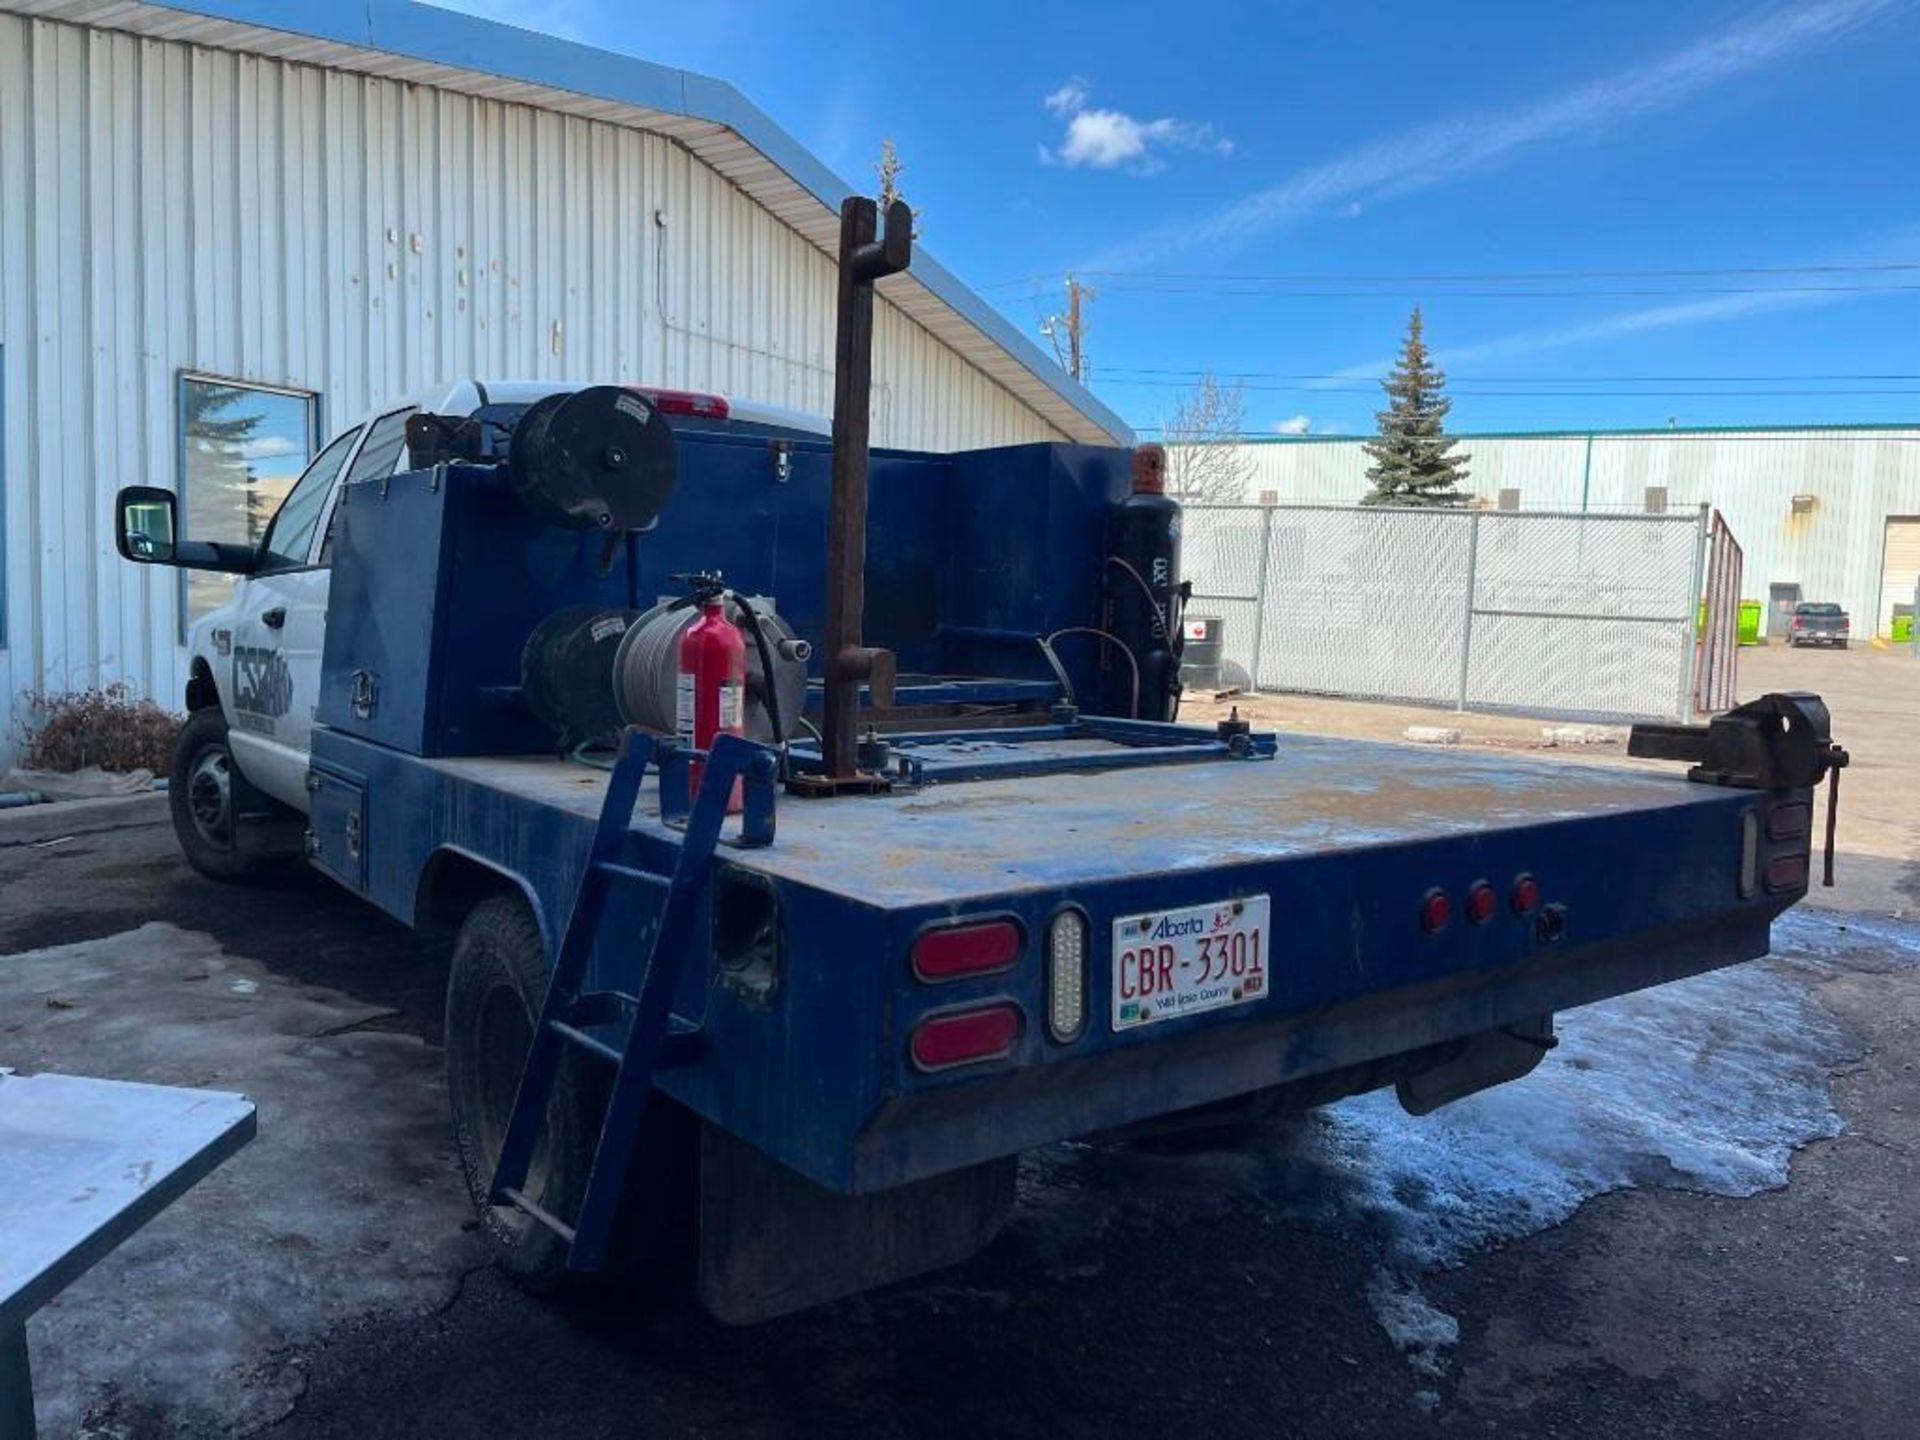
(1071, 326)
(1075, 328)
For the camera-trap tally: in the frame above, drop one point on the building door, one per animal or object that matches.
(1780, 602)
(1899, 569)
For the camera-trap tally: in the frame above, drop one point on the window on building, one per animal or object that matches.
(1509, 499)
(3, 497)
(242, 447)
(1656, 500)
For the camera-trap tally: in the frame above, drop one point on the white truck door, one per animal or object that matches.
(283, 635)
(281, 615)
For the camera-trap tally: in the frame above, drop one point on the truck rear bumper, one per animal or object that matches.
(911, 1137)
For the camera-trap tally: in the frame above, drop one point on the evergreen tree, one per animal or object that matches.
(1413, 463)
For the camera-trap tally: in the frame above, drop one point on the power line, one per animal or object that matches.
(1117, 371)
(1460, 394)
(1695, 431)
(1466, 276)
(1638, 293)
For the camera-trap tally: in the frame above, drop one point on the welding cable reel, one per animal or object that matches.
(646, 670)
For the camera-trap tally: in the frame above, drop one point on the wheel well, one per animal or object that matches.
(453, 882)
(201, 691)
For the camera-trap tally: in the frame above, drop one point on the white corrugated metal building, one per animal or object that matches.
(1822, 512)
(299, 212)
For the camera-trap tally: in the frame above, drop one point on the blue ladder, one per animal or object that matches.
(655, 1038)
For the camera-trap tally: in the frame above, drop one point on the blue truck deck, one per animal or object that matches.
(1639, 871)
(1320, 796)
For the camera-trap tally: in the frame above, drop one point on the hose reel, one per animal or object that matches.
(646, 669)
(567, 669)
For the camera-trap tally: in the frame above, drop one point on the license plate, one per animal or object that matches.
(1171, 963)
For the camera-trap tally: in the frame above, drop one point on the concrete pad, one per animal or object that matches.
(1431, 735)
(348, 1203)
(30, 824)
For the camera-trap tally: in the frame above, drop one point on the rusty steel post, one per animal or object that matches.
(850, 663)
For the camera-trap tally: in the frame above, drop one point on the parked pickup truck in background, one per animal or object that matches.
(1819, 622)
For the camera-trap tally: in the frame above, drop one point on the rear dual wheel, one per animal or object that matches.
(495, 990)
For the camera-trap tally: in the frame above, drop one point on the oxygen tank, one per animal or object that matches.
(1141, 583)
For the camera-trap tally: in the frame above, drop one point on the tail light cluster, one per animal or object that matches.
(973, 1032)
(1482, 904)
(967, 1033)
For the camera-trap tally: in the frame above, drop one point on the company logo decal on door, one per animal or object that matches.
(262, 688)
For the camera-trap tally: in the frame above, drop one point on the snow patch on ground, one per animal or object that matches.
(1707, 1084)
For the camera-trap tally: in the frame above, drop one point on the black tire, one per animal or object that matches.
(495, 990)
(206, 795)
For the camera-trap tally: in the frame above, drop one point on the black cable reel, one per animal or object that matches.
(600, 458)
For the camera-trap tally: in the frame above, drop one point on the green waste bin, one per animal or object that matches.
(1750, 614)
(1903, 629)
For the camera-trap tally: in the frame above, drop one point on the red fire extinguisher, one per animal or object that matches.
(711, 692)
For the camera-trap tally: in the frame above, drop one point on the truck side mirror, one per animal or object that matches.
(146, 530)
(144, 524)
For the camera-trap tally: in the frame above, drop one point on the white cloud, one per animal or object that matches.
(1107, 139)
(1071, 96)
(267, 447)
(1294, 425)
(1427, 155)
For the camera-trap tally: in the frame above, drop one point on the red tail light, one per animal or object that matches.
(687, 402)
(949, 952)
(965, 1037)
(1481, 903)
(1525, 898)
(1435, 911)
(1786, 872)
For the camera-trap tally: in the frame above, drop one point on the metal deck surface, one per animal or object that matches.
(88, 1162)
(999, 836)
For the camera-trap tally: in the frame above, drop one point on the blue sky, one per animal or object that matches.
(1357, 151)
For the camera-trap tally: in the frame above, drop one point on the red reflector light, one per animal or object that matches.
(1788, 872)
(964, 1037)
(1790, 821)
(688, 402)
(951, 951)
(1526, 895)
(1481, 903)
(1435, 911)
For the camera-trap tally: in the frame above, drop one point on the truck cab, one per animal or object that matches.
(240, 771)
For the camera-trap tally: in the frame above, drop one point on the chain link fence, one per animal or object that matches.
(1580, 616)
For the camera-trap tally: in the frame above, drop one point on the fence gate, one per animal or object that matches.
(1717, 650)
(1587, 616)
